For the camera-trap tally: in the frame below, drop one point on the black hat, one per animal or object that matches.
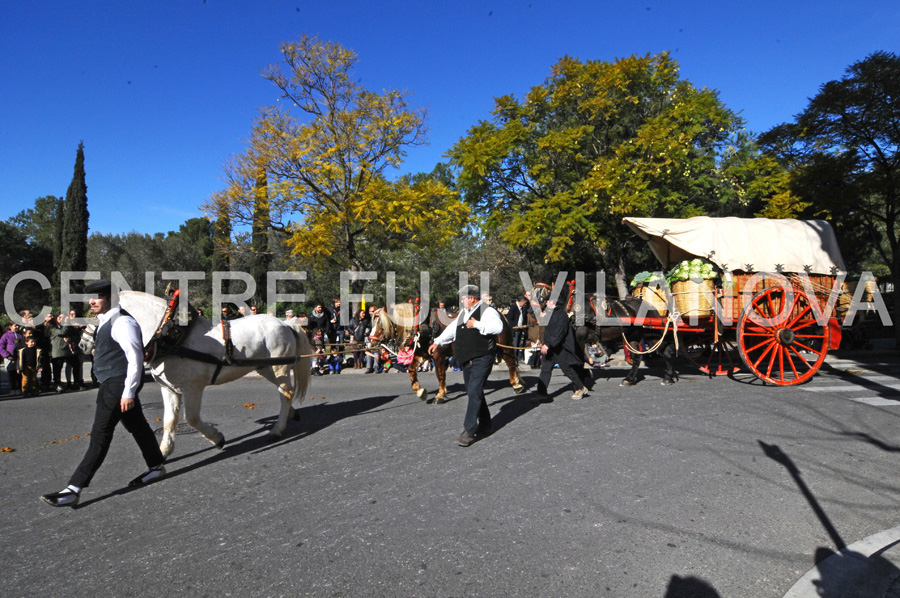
(99, 287)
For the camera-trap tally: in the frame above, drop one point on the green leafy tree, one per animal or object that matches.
(38, 224)
(21, 253)
(196, 233)
(842, 151)
(134, 254)
(555, 172)
(39, 242)
(325, 153)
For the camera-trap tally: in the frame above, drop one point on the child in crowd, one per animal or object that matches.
(320, 363)
(597, 357)
(404, 358)
(29, 358)
(386, 360)
(334, 362)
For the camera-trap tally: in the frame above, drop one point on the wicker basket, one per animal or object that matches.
(848, 289)
(655, 296)
(693, 298)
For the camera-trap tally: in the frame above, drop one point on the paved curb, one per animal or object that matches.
(869, 568)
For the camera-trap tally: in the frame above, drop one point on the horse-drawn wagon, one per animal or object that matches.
(773, 301)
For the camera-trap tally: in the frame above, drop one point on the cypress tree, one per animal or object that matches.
(259, 240)
(75, 220)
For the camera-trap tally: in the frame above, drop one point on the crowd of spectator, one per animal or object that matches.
(43, 356)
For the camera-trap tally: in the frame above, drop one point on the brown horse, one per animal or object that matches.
(397, 327)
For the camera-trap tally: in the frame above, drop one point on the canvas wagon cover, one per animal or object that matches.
(734, 243)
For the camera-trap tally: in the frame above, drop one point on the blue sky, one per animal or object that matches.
(163, 92)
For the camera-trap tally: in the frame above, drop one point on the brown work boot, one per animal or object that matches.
(465, 439)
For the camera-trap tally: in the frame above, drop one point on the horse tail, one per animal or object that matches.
(302, 366)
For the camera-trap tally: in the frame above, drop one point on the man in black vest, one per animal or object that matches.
(475, 336)
(119, 367)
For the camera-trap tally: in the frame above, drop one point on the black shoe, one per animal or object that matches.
(66, 498)
(151, 475)
(465, 439)
(370, 371)
(540, 398)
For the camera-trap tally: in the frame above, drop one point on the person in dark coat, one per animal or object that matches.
(321, 319)
(518, 320)
(560, 348)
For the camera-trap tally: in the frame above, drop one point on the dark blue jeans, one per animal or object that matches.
(475, 374)
(108, 414)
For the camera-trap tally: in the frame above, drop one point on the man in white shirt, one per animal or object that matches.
(119, 367)
(474, 334)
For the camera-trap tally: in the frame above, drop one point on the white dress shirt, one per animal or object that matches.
(489, 324)
(127, 333)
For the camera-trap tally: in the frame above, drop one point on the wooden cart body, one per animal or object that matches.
(775, 302)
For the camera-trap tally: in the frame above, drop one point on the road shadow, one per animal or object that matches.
(849, 574)
(511, 409)
(889, 448)
(458, 389)
(884, 391)
(690, 587)
(312, 419)
(845, 573)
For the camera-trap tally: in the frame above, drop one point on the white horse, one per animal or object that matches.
(262, 343)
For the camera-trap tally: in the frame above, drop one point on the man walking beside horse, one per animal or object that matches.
(119, 366)
(474, 334)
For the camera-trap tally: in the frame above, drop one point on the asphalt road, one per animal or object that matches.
(711, 487)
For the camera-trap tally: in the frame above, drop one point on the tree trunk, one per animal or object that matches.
(621, 278)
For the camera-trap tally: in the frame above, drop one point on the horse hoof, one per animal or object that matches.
(220, 443)
(438, 401)
(519, 389)
(667, 382)
(625, 383)
(422, 394)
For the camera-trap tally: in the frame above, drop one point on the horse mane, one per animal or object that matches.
(406, 313)
(385, 323)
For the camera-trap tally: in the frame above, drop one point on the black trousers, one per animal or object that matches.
(475, 374)
(108, 414)
(576, 374)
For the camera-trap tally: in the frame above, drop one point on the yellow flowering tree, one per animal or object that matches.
(323, 152)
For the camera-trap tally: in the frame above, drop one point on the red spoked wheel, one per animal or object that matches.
(779, 338)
